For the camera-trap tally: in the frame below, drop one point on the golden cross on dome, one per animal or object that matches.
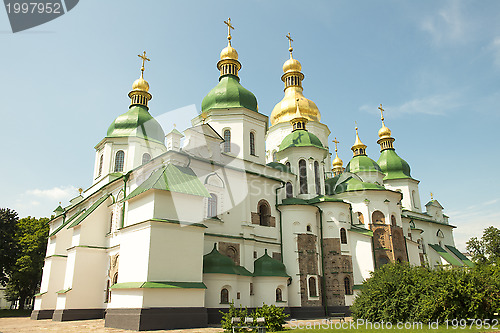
(290, 40)
(356, 128)
(336, 142)
(381, 113)
(144, 58)
(229, 27)
(432, 196)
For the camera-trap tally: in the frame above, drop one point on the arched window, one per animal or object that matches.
(347, 286)
(212, 206)
(264, 213)
(312, 287)
(279, 295)
(288, 166)
(119, 160)
(414, 198)
(146, 158)
(378, 217)
(393, 220)
(361, 219)
(227, 141)
(252, 143)
(289, 190)
(317, 179)
(309, 228)
(383, 260)
(115, 278)
(101, 160)
(224, 296)
(303, 176)
(110, 223)
(343, 236)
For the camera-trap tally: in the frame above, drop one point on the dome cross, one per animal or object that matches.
(290, 40)
(229, 27)
(144, 59)
(381, 113)
(336, 142)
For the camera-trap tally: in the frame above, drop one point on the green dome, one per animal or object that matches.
(229, 93)
(393, 166)
(136, 122)
(362, 163)
(278, 166)
(353, 184)
(215, 262)
(300, 138)
(267, 266)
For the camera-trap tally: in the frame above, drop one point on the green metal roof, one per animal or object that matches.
(217, 263)
(136, 122)
(267, 266)
(169, 285)
(362, 163)
(172, 178)
(446, 256)
(58, 210)
(362, 231)
(353, 184)
(393, 166)
(227, 94)
(88, 211)
(300, 138)
(279, 166)
(460, 256)
(66, 222)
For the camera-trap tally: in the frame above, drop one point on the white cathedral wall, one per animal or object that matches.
(265, 290)
(173, 297)
(140, 208)
(178, 206)
(134, 254)
(413, 252)
(362, 256)
(215, 283)
(52, 281)
(409, 189)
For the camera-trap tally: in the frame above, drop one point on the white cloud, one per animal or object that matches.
(448, 25)
(439, 104)
(55, 193)
(494, 47)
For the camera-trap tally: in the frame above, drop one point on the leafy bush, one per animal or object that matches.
(400, 292)
(274, 316)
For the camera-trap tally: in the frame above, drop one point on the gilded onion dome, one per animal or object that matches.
(229, 93)
(360, 162)
(284, 111)
(384, 134)
(337, 163)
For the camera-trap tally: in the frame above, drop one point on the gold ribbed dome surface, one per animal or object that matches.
(285, 110)
(140, 84)
(229, 52)
(384, 132)
(292, 65)
(337, 162)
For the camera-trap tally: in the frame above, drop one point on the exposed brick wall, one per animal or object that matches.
(277, 256)
(308, 265)
(232, 250)
(337, 268)
(388, 243)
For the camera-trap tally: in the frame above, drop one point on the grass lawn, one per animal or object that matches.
(14, 313)
(363, 330)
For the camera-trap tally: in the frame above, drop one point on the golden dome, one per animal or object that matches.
(384, 132)
(229, 52)
(140, 84)
(285, 110)
(292, 65)
(358, 144)
(337, 162)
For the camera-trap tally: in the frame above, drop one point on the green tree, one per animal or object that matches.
(8, 221)
(487, 249)
(26, 273)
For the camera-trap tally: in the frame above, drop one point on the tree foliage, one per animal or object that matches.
(274, 316)
(26, 273)
(400, 293)
(487, 249)
(8, 221)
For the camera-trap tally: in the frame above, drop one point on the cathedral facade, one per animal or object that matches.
(240, 207)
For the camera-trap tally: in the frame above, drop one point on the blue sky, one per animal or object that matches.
(434, 65)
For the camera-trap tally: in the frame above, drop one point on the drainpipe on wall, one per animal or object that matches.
(323, 283)
(281, 223)
(350, 210)
(125, 179)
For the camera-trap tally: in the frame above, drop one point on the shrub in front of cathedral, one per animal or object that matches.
(273, 315)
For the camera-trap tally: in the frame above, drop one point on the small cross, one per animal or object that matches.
(432, 196)
(336, 142)
(290, 40)
(144, 58)
(229, 27)
(381, 112)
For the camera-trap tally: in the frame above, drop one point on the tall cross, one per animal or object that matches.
(290, 40)
(144, 58)
(336, 142)
(381, 113)
(229, 27)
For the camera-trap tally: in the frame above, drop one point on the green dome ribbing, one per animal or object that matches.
(227, 94)
(215, 262)
(136, 122)
(362, 163)
(300, 138)
(267, 266)
(353, 184)
(393, 166)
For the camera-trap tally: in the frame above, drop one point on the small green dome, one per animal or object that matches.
(267, 266)
(136, 122)
(229, 93)
(215, 262)
(393, 166)
(300, 138)
(362, 163)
